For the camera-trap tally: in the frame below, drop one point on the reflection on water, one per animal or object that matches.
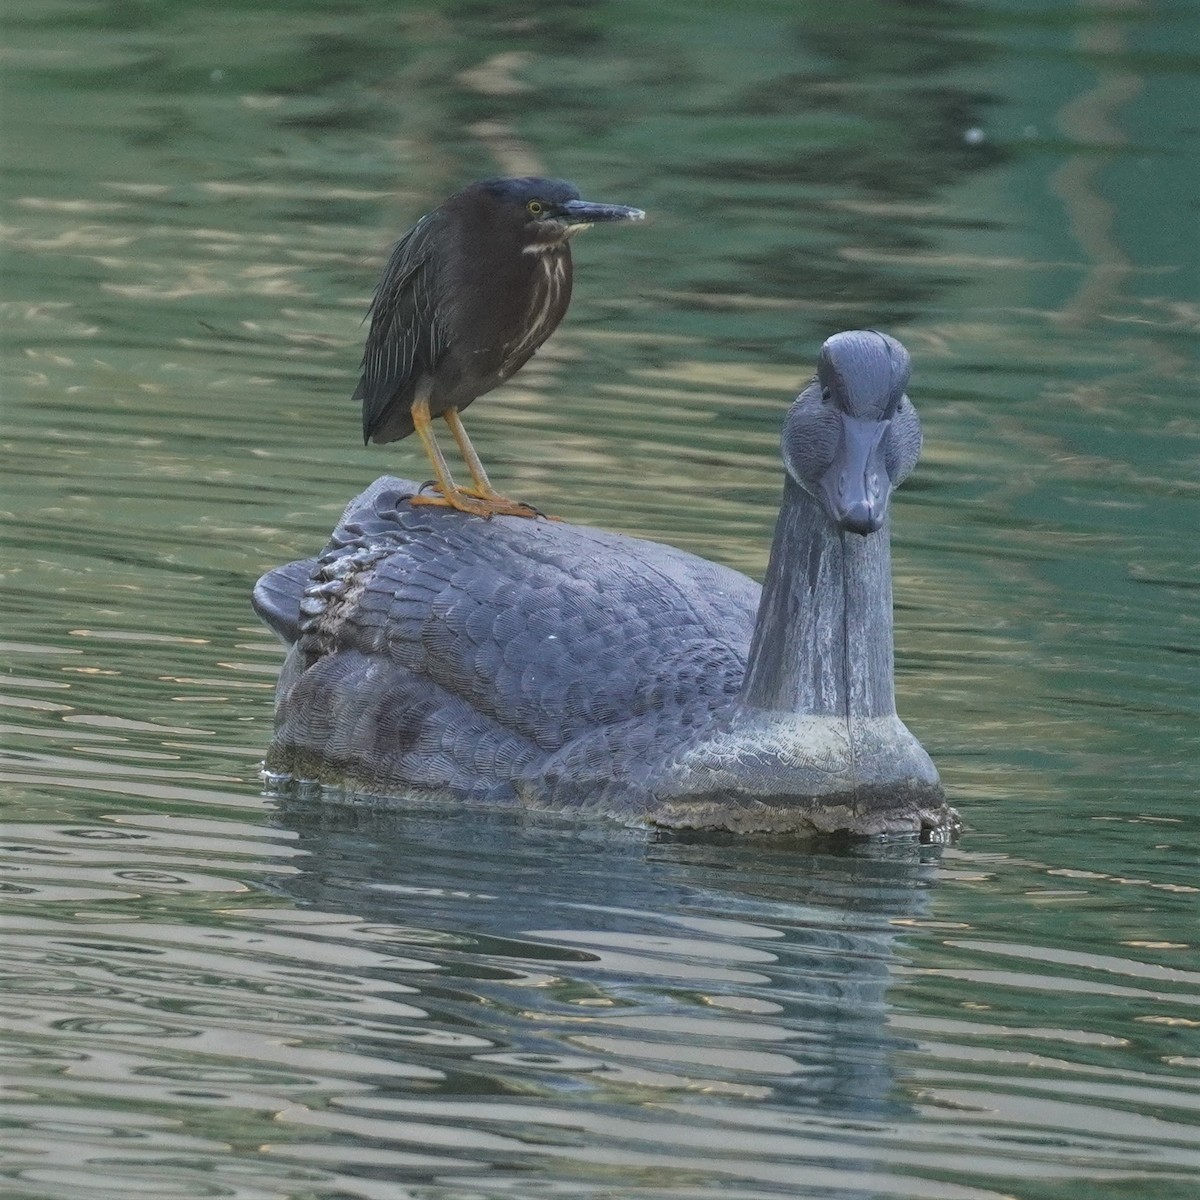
(416, 998)
(204, 995)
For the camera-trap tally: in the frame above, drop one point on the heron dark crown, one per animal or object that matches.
(520, 191)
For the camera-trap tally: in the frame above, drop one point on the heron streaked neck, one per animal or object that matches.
(822, 641)
(552, 245)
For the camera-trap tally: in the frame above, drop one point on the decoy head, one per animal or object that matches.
(546, 211)
(853, 435)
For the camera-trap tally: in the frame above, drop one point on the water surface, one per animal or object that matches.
(211, 993)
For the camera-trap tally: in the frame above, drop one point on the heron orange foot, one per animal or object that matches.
(487, 507)
(489, 493)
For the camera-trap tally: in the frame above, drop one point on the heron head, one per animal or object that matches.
(548, 211)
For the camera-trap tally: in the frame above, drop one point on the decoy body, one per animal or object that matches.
(554, 666)
(469, 294)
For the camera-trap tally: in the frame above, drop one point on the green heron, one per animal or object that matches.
(467, 297)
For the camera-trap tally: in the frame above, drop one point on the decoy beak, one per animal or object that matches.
(856, 485)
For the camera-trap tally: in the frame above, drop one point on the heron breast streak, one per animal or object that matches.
(549, 278)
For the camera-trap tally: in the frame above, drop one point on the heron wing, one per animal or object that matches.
(406, 339)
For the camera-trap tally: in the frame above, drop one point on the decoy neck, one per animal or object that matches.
(822, 642)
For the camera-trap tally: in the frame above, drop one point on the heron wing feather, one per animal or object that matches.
(406, 339)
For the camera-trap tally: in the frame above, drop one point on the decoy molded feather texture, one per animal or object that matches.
(467, 297)
(558, 667)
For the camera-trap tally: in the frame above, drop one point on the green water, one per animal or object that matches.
(206, 993)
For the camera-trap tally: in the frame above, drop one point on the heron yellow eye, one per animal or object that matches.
(536, 208)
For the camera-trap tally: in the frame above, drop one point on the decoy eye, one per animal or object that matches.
(536, 208)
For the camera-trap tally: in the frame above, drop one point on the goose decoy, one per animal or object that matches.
(467, 297)
(560, 667)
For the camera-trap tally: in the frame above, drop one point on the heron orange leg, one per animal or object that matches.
(483, 489)
(483, 485)
(452, 496)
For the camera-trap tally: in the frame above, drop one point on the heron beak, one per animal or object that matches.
(856, 487)
(585, 212)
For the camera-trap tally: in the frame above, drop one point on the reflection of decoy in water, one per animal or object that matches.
(624, 921)
(556, 666)
(469, 294)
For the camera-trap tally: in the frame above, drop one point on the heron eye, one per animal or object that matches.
(536, 208)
